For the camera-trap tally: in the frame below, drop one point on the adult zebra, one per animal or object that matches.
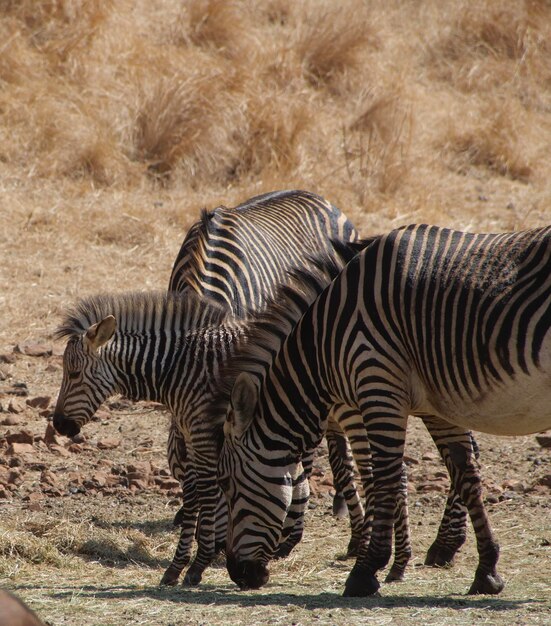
(234, 256)
(453, 327)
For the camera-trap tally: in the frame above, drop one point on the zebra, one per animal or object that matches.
(449, 326)
(233, 256)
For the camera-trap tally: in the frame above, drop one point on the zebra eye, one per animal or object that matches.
(73, 375)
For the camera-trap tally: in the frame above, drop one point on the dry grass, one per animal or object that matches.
(120, 120)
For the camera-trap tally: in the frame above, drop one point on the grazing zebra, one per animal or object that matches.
(234, 256)
(449, 326)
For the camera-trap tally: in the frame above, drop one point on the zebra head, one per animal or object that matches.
(260, 489)
(87, 380)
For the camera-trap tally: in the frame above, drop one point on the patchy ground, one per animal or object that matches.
(86, 524)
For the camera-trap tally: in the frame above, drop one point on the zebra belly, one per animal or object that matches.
(518, 406)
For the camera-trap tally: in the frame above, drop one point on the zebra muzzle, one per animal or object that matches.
(65, 426)
(247, 574)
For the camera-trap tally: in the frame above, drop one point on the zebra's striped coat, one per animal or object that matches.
(450, 326)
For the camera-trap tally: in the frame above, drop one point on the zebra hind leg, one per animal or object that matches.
(458, 451)
(342, 468)
(451, 534)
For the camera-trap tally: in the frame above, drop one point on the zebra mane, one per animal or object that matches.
(128, 308)
(266, 330)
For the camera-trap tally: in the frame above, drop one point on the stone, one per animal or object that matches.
(75, 448)
(34, 348)
(14, 406)
(11, 420)
(59, 450)
(23, 436)
(544, 440)
(20, 448)
(39, 402)
(108, 443)
(51, 436)
(8, 358)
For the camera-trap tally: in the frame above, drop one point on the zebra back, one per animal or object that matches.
(237, 256)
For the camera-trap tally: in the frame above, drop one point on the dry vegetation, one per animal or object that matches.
(120, 119)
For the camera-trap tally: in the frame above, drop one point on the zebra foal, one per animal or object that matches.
(452, 327)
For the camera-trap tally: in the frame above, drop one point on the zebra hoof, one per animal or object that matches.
(192, 579)
(340, 509)
(360, 585)
(440, 556)
(491, 584)
(179, 517)
(395, 575)
(170, 577)
(284, 550)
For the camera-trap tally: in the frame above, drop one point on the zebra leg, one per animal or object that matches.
(402, 542)
(293, 527)
(452, 532)
(386, 435)
(342, 468)
(186, 517)
(459, 454)
(208, 498)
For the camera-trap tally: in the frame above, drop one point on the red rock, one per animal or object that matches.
(35, 506)
(100, 478)
(20, 448)
(14, 406)
(137, 485)
(430, 456)
(167, 483)
(59, 450)
(102, 415)
(4, 493)
(75, 448)
(39, 402)
(8, 358)
(51, 436)
(544, 440)
(33, 348)
(108, 443)
(47, 477)
(514, 485)
(142, 467)
(11, 420)
(23, 436)
(34, 496)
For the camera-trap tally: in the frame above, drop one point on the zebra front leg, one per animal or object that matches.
(208, 497)
(458, 451)
(186, 518)
(293, 527)
(386, 435)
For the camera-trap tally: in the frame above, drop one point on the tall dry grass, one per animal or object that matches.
(129, 116)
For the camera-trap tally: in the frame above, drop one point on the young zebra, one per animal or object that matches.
(449, 326)
(235, 256)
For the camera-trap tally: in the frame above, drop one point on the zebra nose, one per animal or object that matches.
(65, 426)
(247, 574)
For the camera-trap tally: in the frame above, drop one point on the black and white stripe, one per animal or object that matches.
(449, 326)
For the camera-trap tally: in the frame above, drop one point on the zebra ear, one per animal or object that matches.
(243, 401)
(99, 334)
